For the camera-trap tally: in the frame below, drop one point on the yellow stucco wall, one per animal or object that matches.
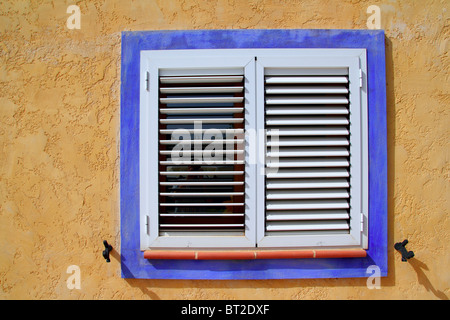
(59, 144)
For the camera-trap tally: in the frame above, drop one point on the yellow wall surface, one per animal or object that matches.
(59, 143)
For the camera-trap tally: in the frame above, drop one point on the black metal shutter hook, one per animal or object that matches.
(108, 249)
(400, 247)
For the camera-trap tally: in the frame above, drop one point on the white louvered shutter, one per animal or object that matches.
(308, 118)
(312, 118)
(194, 168)
(201, 146)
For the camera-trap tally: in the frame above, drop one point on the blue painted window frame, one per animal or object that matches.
(133, 264)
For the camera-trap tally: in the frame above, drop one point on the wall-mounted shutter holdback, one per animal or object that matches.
(108, 249)
(400, 247)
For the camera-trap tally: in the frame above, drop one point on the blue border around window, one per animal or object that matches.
(133, 264)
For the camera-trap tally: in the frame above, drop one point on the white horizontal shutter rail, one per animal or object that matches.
(203, 225)
(201, 79)
(172, 90)
(194, 163)
(309, 194)
(196, 173)
(201, 100)
(308, 142)
(201, 141)
(217, 215)
(305, 80)
(203, 183)
(306, 121)
(202, 120)
(200, 204)
(309, 131)
(308, 173)
(286, 184)
(307, 215)
(305, 110)
(200, 110)
(307, 204)
(201, 194)
(308, 226)
(309, 152)
(305, 90)
(192, 152)
(187, 130)
(299, 100)
(307, 162)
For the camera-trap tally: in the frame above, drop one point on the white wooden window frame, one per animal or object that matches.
(255, 63)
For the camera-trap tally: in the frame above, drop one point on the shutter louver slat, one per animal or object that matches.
(222, 130)
(201, 110)
(308, 155)
(297, 194)
(308, 226)
(203, 120)
(188, 152)
(301, 100)
(311, 142)
(305, 110)
(202, 79)
(306, 183)
(309, 131)
(202, 141)
(308, 173)
(218, 215)
(203, 183)
(306, 121)
(172, 90)
(200, 173)
(309, 152)
(206, 99)
(305, 90)
(306, 205)
(305, 80)
(201, 194)
(201, 154)
(307, 215)
(199, 204)
(195, 163)
(308, 162)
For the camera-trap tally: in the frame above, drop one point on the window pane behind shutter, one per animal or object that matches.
(307, 174)
(201, 182)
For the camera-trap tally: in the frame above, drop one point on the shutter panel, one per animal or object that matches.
(201, 154)
(308, 154)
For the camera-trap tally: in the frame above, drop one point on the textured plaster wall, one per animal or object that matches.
(59, 144)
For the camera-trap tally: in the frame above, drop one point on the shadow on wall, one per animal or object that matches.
(143, 285)
(390, 135)
(418, 267)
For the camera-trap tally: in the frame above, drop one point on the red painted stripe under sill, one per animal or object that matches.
(251, 255)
